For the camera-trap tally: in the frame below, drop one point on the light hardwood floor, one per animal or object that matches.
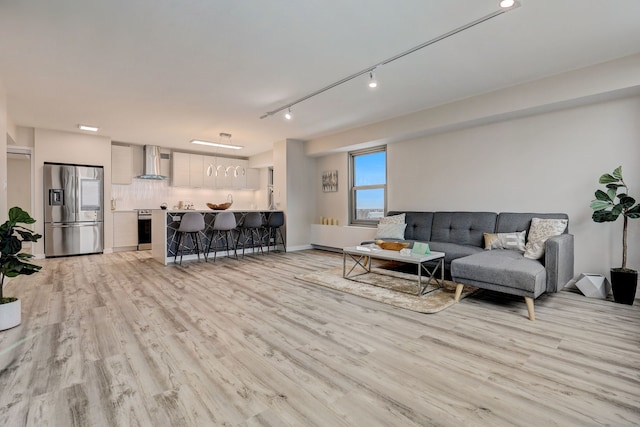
(120, 340)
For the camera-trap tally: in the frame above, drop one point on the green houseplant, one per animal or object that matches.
(608, 206)
(13, 262)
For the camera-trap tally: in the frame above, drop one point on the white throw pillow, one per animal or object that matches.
(391, 231)
(393, 219)
(540, 230)
(512, 241)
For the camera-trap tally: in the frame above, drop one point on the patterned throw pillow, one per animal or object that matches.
(391, 231)
(393, 219)
(539, 232)
(513, 241)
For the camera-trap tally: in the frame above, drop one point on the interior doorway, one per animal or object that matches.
(19, 181)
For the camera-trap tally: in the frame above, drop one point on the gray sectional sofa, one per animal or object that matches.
(460, 235)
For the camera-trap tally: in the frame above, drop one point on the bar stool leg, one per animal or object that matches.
(175, 257)
(195, 243)
(235, 250)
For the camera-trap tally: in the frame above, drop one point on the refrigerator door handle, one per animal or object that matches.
(75, 224)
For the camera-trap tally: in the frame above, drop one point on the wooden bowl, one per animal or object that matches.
(220, 207)
(392, 246)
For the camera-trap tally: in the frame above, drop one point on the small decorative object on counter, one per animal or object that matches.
(222, 206)
(163, 206)
(392, 246)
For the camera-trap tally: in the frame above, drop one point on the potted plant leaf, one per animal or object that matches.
(14, 262)
(608, 206)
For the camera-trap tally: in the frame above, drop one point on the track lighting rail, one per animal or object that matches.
(391, 59)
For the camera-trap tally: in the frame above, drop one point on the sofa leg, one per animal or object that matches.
(459, 287)
(529, 302)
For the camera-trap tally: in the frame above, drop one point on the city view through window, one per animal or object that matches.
(370, 179)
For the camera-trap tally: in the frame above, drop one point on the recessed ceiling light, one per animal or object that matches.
(89, 128)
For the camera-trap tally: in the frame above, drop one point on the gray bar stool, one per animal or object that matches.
(252, 224)
(192, 223)
(223, 225)
(274, 227)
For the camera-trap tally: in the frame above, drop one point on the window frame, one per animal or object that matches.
(353, 220)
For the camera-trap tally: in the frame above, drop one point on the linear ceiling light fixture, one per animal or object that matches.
(89, 128)
(505, 6)
(223, 137)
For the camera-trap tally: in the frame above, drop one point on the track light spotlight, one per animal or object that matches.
(288, 114)
(373, 83)
(506, 4)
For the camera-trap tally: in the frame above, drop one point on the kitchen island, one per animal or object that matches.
(164, 232)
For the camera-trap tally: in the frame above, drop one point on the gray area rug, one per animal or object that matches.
(390, 287)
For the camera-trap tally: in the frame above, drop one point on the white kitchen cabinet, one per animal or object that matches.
(165, 162)
(209, 167)
(196, 171)
(180, 169)
(201, 171)
(253, 179)
(224, 180)
(121, 164)
(187, 170)
(240, 173)
(125, 229)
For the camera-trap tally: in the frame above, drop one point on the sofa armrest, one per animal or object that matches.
(558, 261)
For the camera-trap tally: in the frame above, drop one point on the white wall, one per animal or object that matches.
(294, 191)
(3, 154)
(301, 208)
(334, 204)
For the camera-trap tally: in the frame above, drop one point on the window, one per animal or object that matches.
(368, 185)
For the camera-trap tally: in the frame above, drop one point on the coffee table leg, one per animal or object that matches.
(363, 261)
(431, 275)
(344, 264)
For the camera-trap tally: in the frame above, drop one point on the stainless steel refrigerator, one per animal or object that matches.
(73, 209)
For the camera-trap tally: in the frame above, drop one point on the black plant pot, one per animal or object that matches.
(623, 284)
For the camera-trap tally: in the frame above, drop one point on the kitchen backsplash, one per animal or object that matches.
(149, 194)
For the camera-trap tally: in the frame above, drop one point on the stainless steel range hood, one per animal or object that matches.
(152, 163)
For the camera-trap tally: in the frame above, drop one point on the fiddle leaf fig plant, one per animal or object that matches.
(13, 262)
(615, 201)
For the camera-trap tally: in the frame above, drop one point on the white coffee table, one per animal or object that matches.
(363, 255)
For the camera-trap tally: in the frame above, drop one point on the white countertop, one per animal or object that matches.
(212, 210)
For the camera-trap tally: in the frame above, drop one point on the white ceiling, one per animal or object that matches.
(165, 71)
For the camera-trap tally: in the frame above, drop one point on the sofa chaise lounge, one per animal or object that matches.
(461, 236)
